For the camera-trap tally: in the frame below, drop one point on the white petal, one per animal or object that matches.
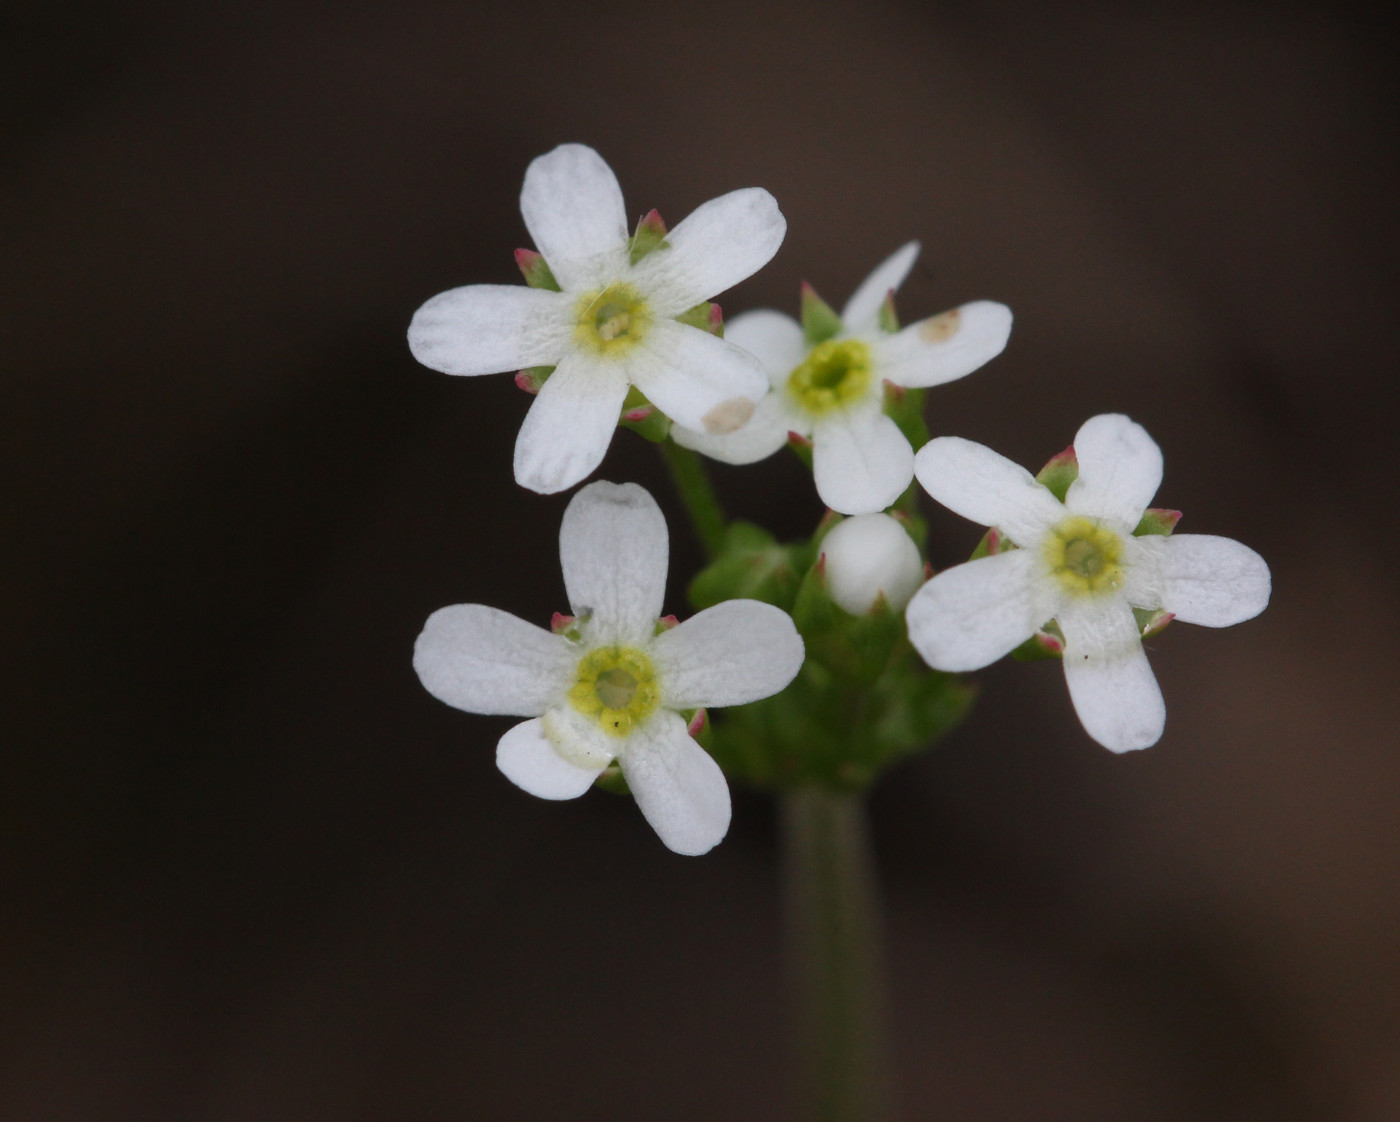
(613, 547)
(484, 660)
(697, 379)
(774, 339)
(765, 432)
(528, 759)
(1120, 469)
(730, 654)
(969, 616)
(1110, 682)
(488, 328)
(860, 460)
(861, 314)
(570, 424)
(944, 347)
(869, 556)
(678, 786)
(579, 740)
(1200, 578)
(719, 244)
(984, 486)
(573, 209)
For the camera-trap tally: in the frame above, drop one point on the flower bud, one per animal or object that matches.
(868, 555)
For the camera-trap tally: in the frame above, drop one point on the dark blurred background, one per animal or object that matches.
(250, 870)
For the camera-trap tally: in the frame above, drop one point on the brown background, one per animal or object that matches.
(249, 870)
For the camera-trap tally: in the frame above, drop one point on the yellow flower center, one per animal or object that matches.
(1085, 557)
(832, 375)
(616, 686)
(611, 320)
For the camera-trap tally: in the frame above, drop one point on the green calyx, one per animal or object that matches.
(863, 698)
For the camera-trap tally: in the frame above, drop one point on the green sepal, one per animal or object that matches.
(650, 236)
(612, 780)
(1059, 473)
(1152, 621)
(888, 322)
(536, 270)
(532, 378)
(906, 408)
(643, 418)
(1158, 521)
(1048, 642)
(751, 565)
(858, 648)
(819, 322)
(706, 316)
(992, 543)
(801, 448)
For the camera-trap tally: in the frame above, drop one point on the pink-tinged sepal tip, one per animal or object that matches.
(561, 623)
(697, 724)
(665, 623)
(928, 571)
(797, 440)
(535, 269)
(650, 235)
(1159, 521)
(652, 223)
(641, 413)
(528, 381)
(894, 395)
(1059, 472)
(992, 543)
(1156, 623)
(1052, 645)
(716, 319)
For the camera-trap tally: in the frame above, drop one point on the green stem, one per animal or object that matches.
(833, 940)
(698, 495)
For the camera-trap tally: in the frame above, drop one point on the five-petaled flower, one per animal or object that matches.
(1080, 564)
(607, 684)
(833, 391)
(612, 321)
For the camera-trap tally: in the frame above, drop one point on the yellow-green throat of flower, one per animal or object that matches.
(834, 374)
(1085, 557)
(611, 320)
(616, 686)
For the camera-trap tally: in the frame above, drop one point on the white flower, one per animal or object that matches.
(869, 556)
(834, 392)
(1079, 564)
(609, 687)
(613, 322)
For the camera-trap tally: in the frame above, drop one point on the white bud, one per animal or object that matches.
(867, 555)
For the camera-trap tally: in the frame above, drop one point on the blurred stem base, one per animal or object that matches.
(833, 941)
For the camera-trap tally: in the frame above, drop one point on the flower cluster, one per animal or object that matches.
(812, 640)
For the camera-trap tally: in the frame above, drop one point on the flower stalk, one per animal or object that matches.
(833, 942)
(698, 494)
